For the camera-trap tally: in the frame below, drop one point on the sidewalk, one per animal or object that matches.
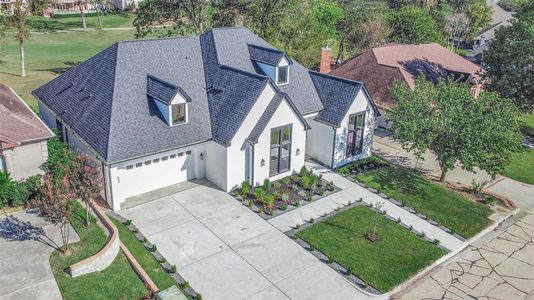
(350, 191)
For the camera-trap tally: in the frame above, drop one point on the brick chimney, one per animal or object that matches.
(326, 60)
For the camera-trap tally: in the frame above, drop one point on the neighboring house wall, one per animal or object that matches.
(284, 116)
(145, 174)
(216, 163)
(360, 104)
(25, 160)
(320, 141)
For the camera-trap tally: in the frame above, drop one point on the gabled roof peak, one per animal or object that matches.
(267, 55)
(164, 91)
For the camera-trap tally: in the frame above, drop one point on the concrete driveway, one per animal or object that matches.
(26, 242)
(226, 251)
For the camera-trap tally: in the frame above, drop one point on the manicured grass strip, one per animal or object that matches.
(42, 24)
(384, 264)
(161, 278)
(118, 281)
(437, 202)
(521, 167)
(527, 122)
(48, 55)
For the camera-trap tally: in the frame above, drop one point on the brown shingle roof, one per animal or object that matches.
(18, 123)
(380, 67)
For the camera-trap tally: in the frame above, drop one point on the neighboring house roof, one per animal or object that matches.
(163, 91)
(18, 123)
(500, 17)
(379, 67)
(337, 95)
(104, 99)
(266, 55)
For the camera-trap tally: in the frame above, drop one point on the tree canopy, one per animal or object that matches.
(457, 128)
(509, 61)
(414, 25)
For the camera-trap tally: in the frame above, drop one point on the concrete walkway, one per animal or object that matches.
(350, 191)
(226, 251)
(26, 242)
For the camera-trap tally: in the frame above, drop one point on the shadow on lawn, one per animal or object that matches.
(400, 180)
(61, 70)
(14, 229)
(52, 25)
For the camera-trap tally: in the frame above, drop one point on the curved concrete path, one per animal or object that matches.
(26, 242)
(350, 191)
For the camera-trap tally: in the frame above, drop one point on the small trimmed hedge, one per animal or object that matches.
(17, 193)
(73, 15)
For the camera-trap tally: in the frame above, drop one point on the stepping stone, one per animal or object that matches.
(361, 184)
(409, 209)
(395, 202)
(373, 190)
(447, 230)
(158, 256)
(303, 244)
(148, 245)
(405, 225)
(420, 215)
(391, 218)
(456, 235)
(321, 256)
(432, 222)
(383, 196)
(139, 236)
(191, 292)
(417, 232)
(132, 228)
(339, 268)
(117, 217)
(167, 266)
(178, 278)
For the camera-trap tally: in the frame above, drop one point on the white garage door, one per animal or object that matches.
(151, 174)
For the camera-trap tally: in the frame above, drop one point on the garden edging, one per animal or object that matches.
(103, 258)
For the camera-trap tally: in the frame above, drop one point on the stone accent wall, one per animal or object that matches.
(105, 256)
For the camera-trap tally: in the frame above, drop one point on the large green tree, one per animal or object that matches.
(457, 128)
(509, 61)
(414, 25)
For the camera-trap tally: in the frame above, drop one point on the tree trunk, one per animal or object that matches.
(341, 50)
(87, 214)
(22, 66)
(98, 17)
(82, 14)
(443, 175)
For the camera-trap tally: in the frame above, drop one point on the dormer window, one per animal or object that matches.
(271, 62)
(171, 100)
(179, 114)
(282, 75)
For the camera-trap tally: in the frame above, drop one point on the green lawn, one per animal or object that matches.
(42, 24)
(118, 281)
(48, 55)
(384, 264)
(437, 202)
(521, 167)
(144, 257)
(527, 123)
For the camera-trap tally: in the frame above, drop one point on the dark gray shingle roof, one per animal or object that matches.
(162, 90)
(104, 99)
(268, 114)
(232, 50)
(266, 55)
(337, 95)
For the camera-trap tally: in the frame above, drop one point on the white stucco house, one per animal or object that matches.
(225, 105)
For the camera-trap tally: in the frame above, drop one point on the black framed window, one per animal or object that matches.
(355, 134)
(282, 74)
(280, 150)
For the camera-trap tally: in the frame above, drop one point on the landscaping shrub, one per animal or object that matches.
(16, 193)
(60, 158)
(259, 193)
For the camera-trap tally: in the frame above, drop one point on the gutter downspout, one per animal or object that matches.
(252, 162)
(333, 148)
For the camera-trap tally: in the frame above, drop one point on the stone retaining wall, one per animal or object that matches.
(105, 256)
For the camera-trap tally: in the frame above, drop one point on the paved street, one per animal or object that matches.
(226, 251)
(498, 267)
(26, 242)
